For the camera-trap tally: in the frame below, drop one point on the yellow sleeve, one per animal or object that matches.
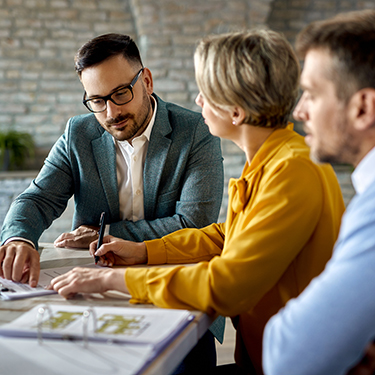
(188, 245)
(262, 242)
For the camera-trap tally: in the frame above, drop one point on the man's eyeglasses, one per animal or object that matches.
(121, 96)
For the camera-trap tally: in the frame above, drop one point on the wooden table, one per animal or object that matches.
(52, 257)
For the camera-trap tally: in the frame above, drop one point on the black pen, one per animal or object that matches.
(101, 234)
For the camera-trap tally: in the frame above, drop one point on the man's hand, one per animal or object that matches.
(80, 238)
(87, 280)
(20, 262)
(367, 364)
(116, 251)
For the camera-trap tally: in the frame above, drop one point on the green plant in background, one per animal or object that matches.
(15, 147)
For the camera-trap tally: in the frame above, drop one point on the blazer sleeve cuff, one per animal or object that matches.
(156, 251)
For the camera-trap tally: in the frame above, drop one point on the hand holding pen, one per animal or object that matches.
(119, 252)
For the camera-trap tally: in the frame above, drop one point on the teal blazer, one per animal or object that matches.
(183, 179)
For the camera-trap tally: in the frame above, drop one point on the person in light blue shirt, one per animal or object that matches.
(329, 327)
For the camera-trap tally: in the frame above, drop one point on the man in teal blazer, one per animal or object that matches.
(97, 160)
(182, 179)
(182, 172)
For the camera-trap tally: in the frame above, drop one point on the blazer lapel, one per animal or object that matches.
(157, 153)
(105, 156)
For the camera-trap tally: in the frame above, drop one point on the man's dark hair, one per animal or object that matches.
(350, 40)
(105, 46)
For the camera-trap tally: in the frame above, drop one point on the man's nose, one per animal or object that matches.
(112, 109)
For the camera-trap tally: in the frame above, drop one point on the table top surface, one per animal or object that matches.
(51, 257)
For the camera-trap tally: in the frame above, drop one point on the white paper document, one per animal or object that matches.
(155, 327)
(61, 357)
(10, 290)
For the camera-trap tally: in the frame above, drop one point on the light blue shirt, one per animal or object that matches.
(364, 174)
(326, 329)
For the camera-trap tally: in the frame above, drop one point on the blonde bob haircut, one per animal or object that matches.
(256, 70)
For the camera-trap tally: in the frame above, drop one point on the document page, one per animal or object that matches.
(153, 326)
(10, 290)
(61, 357)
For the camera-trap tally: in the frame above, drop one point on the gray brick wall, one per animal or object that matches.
(168, 31)
(39, 89)
(290, 16)
(12, 184)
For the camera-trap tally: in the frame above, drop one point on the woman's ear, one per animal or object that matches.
(362, 109)
(238, 116)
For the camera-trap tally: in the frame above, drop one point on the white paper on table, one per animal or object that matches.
(155, 326)
(10, 290)
(21, 356)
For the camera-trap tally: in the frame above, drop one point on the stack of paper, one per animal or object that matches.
(103, 338)
(61, 357)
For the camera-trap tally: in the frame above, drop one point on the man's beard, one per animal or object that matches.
(118, 119)
(346, 149)
(133, 124)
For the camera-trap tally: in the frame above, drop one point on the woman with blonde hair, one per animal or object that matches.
(283, 212)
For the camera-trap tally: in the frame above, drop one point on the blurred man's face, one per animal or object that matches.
(329, 132)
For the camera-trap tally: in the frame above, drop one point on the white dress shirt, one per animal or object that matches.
(130, 160)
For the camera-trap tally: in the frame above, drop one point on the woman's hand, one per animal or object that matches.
(116, 251)
(88, 280)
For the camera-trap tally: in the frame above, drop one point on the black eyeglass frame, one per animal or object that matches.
(109, 97)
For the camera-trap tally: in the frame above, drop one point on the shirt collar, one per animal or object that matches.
(363, 176)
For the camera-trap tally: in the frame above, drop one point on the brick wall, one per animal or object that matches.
(167, 32)
(290, 16)
(39, 89)
(13, 184)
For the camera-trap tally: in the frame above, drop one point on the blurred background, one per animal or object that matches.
(39, 90)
